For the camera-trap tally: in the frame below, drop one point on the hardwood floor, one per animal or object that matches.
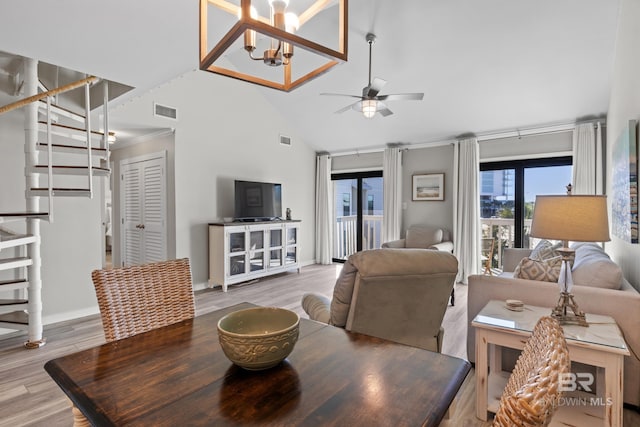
(28, 396)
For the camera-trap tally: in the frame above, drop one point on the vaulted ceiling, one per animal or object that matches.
(483, 66)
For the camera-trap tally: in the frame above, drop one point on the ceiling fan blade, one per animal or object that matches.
(341, 94)
(385, 112)
(374, 88)
(347, 108)
(401, 97)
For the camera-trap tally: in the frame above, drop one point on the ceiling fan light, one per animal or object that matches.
(369, 107)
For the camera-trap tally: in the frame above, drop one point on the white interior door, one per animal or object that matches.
(143, 209)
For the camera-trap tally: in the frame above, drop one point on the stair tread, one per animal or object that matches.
(44, 145)
(59, 189)
(60, 192)
(9, 239)
(73, 167)
(17, 317)
(10, 260)
(23, 214)
(73, 128)
(5, 302)
(62, 110)
(12, 282)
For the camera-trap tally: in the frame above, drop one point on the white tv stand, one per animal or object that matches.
(243, 251)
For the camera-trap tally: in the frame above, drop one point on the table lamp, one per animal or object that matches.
(577, 218)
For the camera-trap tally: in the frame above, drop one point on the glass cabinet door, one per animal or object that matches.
(291, 248)
(236, 242)
(237, 253)
(292, 255)
(275, 247)
(256, 250)
(236, 264)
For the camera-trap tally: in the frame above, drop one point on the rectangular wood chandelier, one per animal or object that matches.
(271, 42)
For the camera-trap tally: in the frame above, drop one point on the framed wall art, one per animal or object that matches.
(428, 187)
(624, 203)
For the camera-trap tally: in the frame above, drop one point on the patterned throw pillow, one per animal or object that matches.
(545, 250)
(533, 269)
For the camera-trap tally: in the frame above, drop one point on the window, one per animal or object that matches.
(370, 204)
(507, 197)
(346, 204)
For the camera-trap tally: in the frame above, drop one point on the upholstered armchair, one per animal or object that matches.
(424, 237)
(396, 294)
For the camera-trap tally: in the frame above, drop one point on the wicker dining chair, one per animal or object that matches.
(136, 299)
(532, 392)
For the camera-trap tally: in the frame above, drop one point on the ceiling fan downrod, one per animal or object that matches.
(371, 39)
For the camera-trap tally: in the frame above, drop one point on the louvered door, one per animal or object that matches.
(144, 211)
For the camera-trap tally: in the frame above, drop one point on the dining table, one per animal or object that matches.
(178, 375)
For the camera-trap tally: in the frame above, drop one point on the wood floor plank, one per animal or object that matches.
(29, 398)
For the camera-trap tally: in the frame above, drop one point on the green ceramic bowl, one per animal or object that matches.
(258, 338)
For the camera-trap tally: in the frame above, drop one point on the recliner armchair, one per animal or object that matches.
(397, 294)
(424, 237)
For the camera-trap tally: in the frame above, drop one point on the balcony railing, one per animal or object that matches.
(344, 239)
(503, 230)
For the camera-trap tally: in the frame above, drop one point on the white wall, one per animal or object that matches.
(529, 146)
(225, 131)
(422, 161)
(624, 105)
(71, 246)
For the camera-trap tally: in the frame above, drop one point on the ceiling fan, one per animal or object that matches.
(370, 102)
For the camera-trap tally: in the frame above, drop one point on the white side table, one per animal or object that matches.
(601, 345)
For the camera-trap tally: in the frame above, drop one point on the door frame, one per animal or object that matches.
(359, 176)
(162, 155)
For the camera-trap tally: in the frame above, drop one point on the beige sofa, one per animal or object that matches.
(396, 294)
(622, 304)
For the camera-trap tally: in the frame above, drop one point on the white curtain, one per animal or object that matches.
(466, 208)
(324, 209)
(392, 206)
(587, 159)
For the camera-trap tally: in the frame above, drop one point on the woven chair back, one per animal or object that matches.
(139, 298)
(532, 393)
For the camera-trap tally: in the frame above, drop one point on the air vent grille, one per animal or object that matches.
(285, 140)
(165, 111)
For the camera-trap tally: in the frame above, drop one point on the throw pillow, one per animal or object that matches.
(533, 269)
(545, 250)
(593, 267)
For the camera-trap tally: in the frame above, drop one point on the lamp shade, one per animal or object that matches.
(577, 218)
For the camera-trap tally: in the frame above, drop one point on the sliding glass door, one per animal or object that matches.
(358, 213)
(507, 197)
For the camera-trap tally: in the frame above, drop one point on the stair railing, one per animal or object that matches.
(87, 125)
(52, 92)
(49, 161)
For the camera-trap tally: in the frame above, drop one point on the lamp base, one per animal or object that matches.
(560, 312)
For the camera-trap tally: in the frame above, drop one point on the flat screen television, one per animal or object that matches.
(257, 201)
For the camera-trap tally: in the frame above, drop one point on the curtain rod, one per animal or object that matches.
(540, 130)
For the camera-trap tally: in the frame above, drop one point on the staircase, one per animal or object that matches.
(63, 154)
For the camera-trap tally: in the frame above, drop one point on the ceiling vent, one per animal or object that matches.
(285, 140)
(165, 111)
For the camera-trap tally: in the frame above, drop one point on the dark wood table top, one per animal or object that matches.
(178, 375)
